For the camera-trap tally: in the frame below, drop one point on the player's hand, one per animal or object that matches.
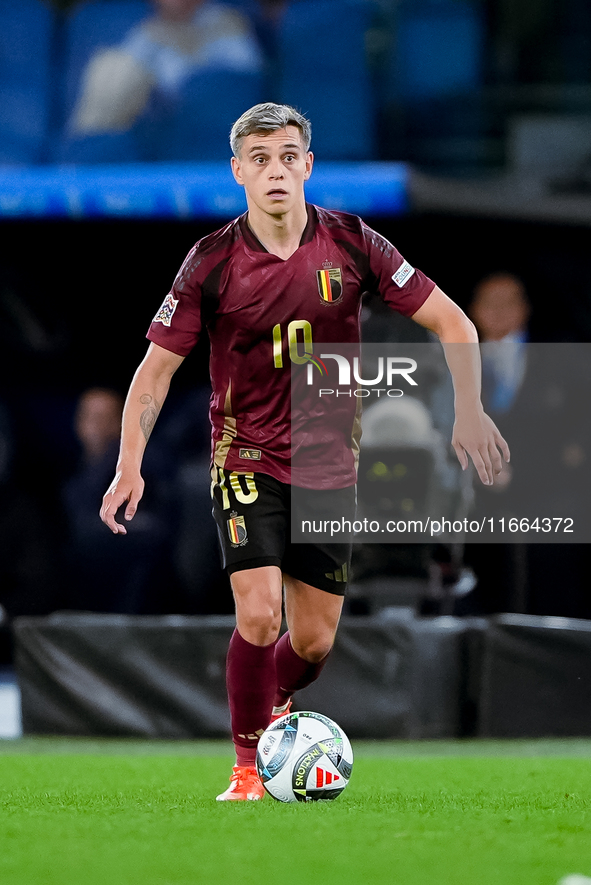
(123, 489)
(476, 436)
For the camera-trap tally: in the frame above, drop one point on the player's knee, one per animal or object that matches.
(313, 649)
(258, 619)
(260, 628)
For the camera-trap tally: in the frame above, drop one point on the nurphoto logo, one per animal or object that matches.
(388, 369)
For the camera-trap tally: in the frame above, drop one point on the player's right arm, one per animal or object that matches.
(146, 395)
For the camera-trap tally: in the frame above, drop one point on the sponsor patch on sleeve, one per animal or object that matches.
(167, 310)
(403, 274)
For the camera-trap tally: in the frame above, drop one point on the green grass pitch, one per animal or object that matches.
(76, 812)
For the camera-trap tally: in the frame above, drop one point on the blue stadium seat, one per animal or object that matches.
(26, 77)
(324, 74)
(199, 125)
(433, 107)
(438, 49)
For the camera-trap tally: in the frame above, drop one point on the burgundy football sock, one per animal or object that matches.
(293, 672)
(251, 684)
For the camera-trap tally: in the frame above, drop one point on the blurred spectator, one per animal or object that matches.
(98, 422)
(536, 409)
(500, 307)
(104, 574)
(169, 561)
(159, 56)
(500, 310)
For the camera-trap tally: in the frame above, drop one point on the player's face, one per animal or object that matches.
(273, 168)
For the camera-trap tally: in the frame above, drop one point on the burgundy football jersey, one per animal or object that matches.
(259, 310)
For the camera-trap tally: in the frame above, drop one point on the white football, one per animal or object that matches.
(304, 757)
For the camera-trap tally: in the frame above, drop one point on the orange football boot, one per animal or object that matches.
(284, 712)
(245, 784)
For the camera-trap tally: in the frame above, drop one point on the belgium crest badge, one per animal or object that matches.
(330, 284)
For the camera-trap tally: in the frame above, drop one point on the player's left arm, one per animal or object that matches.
(475, 435)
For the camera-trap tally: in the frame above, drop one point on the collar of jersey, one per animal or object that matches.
(253, 242)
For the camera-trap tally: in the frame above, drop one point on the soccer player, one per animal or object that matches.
(265, 287)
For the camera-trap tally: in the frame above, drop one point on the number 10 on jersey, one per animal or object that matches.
(299, 333)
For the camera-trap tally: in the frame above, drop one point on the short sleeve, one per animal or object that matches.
(177, 323)
(403, 287)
